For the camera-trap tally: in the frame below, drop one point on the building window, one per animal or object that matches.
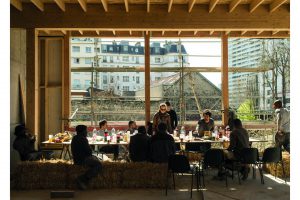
(87, 83)
(132, 58)
(76, 83)
(125, 48)
(136, 50)
(76, 60)
(137, 79)
(97, 50)
(88, 49)
(111, 59)
(125, 58)
(175, 59)
(133, 78)
(157, 50)
(111, 49)
(137, 60)
(111, 79)
(104, 79)
(87, 60)
(104, 59)
(125, 88)
(75, 49)
(125, 78)
(157, 60)
(104, 48)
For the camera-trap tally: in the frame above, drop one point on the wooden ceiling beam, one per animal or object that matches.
(114, 32)
(47, 32)
(254, 4)
(195, 32)
(163, 32)
(179, 32)
(17, 4)
(233, 4)
(211, 32)
(38, 4)
(227, 32)
(61, 4)
(259, 32)
(83, 4)
(104, 3)
(184, 34)
(276, 4)
(73, 19)
(64, 32)
(170, 3)
(130, 32)
(243, 32)
(126, 5)
(274, 32)
(81, 32)
(191, 5)
(97, 32)
(148, 5)
(212, 5)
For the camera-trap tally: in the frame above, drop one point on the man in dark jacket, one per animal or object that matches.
(162, 145)
(82, 155)
(239, 139)
(173, 116)
(139, 145)
(24, 144)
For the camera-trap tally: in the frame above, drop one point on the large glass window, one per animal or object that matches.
(75, 49)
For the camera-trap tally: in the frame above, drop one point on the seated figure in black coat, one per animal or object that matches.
(162, 145)
(82, 155)
(139, 145)
(24, 144)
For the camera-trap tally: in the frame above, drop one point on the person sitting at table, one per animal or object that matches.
(82, 155)
(102, 127)
(132, 127)
(205, 124)
(24, 144)
(239, 139)
(162, 145)
(162, 116)
(107, 148)
(139, 145)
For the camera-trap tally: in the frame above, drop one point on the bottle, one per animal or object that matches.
(215, 133)
(220, 132)
(118, 137)
(197, 127)
(113, 131)
(182, 131)
(94, 135)
(105, 135)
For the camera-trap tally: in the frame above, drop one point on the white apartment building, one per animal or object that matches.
(86, 52)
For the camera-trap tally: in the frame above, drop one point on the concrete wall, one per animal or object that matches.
(17, 68)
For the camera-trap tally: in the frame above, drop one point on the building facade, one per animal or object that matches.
(86, 52)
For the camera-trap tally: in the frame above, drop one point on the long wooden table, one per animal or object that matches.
(66, 145)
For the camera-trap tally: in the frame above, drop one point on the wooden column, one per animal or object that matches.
(31, 115)
(224, 75)
(147, 77)
(66, 81)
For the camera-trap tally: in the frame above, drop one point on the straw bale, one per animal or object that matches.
(270, 168)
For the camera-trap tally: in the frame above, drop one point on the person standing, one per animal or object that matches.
(173, 115)
(282, 137)
(82, 155)
(162, 117)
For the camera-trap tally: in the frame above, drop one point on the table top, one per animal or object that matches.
(200, 140)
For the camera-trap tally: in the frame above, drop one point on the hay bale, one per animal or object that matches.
(270, 168)
(143, 175)
(40, 175)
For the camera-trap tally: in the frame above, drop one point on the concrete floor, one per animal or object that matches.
(251, 189)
